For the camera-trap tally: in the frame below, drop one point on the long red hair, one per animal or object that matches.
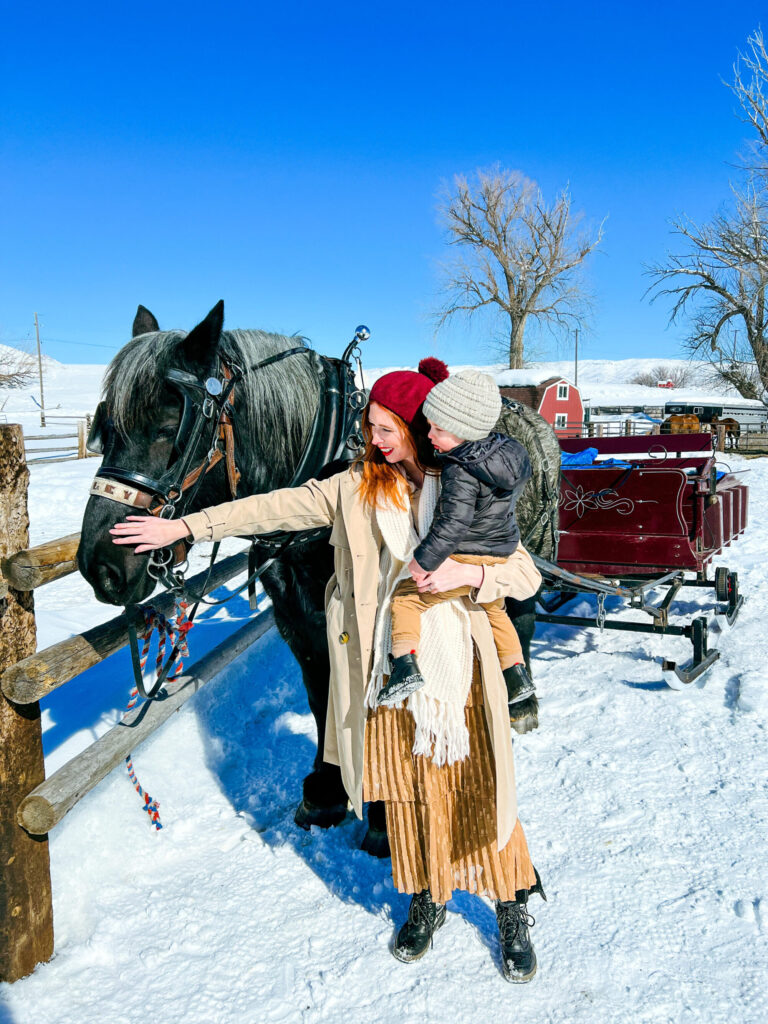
(381, 483)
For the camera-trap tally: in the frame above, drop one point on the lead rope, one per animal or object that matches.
(173, 631)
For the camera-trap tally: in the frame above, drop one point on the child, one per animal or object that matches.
(483, 474)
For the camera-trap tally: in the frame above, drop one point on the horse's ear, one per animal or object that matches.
(201, 341)
(144, 322)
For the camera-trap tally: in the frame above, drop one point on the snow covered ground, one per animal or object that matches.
(646, 812)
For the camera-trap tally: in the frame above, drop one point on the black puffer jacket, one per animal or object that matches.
(481, 481)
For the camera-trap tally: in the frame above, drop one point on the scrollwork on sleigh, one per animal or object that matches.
(582, 501)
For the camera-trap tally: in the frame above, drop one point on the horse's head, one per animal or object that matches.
(148, 427)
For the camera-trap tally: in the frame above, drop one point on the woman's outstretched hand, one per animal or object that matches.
(449, 575)
(149, 532)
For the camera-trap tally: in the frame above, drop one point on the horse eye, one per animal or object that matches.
(165, 434)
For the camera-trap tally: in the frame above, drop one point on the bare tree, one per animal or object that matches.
(515, 256)
(720, 281)
(16, 368)
(750, 79)
(679, 375)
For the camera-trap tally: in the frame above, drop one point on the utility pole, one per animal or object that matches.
(40, 368)
(576, 360)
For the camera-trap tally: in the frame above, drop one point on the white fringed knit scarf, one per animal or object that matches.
(445, 651)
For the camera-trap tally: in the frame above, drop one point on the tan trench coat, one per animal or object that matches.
(350, 602)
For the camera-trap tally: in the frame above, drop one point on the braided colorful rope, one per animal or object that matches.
(173, 632)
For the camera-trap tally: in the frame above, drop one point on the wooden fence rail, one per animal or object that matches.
(30, 805)
(29, 569)
(48, 803)
(77, 449)
(40, 674)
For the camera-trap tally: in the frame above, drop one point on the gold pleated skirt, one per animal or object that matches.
(441, 822)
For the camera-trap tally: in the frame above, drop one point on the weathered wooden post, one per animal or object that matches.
(26, 912)
(82, 437)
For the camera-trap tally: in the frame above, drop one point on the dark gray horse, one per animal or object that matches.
(274, 409)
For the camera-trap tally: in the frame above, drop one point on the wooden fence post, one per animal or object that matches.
(26, 911)
(82, 436)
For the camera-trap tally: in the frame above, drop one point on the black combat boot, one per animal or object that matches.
(424, 918)
(406, 678)
(519, 684)
(518, 957)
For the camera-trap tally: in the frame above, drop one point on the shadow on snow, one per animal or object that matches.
(260, 742)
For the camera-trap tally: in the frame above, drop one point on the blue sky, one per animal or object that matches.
(287, 159)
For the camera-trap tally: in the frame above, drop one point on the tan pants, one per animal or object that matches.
(408, 605)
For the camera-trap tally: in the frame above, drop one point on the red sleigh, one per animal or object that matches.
(649, 514)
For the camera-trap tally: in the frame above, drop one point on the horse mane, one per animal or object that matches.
(275, 404)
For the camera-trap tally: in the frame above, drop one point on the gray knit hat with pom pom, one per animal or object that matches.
(466, 404)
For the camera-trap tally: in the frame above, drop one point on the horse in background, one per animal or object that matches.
(680, 423)
(729, 428)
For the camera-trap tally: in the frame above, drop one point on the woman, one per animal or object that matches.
(443, 765)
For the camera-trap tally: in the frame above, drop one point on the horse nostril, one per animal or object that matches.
(110, 580)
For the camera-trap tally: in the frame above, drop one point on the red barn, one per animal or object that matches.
(556, 399)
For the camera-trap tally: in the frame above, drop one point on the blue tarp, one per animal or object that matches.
(572, 460)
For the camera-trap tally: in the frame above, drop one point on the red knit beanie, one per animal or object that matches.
(404, 391)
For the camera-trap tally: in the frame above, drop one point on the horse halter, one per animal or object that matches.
(207, 409)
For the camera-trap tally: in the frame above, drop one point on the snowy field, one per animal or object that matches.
(646, 812)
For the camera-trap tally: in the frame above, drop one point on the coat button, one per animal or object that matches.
(343, 638)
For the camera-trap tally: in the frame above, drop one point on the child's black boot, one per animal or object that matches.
(406, 678)
(521, 697)
(519, 683)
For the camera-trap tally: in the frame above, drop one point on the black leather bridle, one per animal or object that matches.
(207, 410)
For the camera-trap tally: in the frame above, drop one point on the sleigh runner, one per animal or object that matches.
(642, 518)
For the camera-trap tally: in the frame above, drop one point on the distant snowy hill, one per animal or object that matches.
(70, 390)
(74, 390)
(16, 355)
(606, 381)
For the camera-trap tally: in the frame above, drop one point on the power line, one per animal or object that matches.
(60, 341)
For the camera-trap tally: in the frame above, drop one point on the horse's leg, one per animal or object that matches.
(296, 584)
(524, 716)
(375, 840)
(297, 599)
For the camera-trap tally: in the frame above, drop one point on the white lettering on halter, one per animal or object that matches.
(114, 491)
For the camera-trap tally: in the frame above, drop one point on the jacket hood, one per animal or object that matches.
(496, 460)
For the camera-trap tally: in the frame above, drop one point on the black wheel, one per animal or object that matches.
(721, 583)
